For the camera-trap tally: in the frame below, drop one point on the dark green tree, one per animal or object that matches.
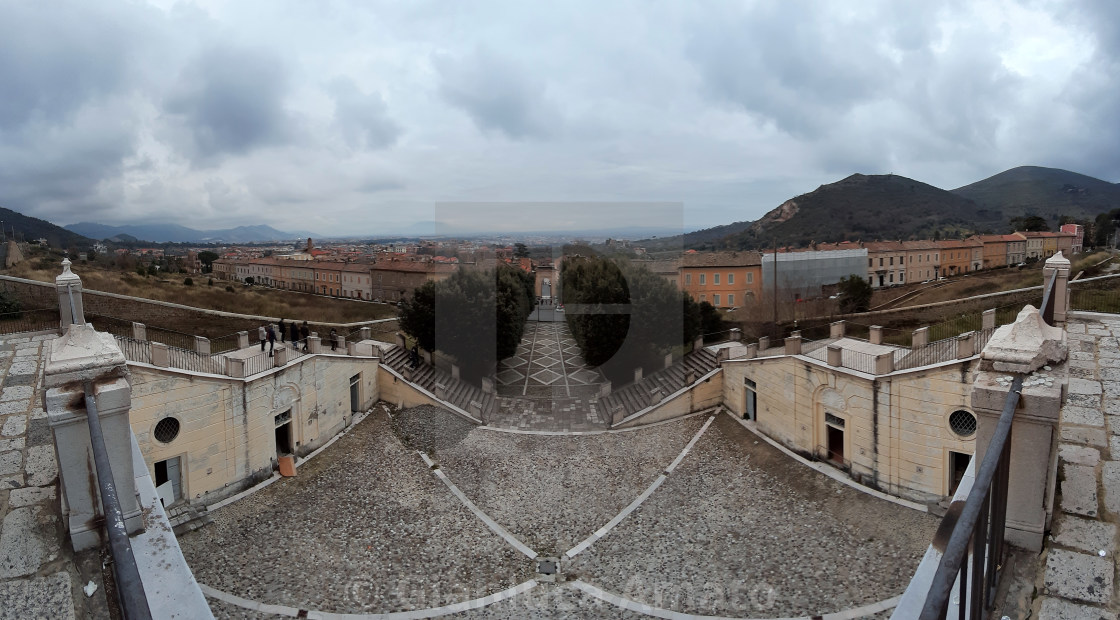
(855, 294)
(520, 250)
(207, 258)
(598, 288)
(711, 321)
(1030, 223)
(418, 316)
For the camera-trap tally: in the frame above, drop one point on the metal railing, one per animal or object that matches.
(1049, 299)
(186, 359)
(258, 363)
(171, 338)
(126, 574)
(38, 320)
(223, 344)
(135, 350)
(1100, 294)
(933, 353)
(977, 530)
(858, 360)
(113, 325)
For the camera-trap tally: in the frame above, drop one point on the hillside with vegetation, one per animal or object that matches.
(31, 228)
(1046, 192)
(866, 207)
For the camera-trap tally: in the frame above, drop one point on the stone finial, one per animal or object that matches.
(1057, 261)
(1025, 345)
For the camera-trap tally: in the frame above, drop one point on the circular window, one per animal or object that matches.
(963, 423)
(167, 430)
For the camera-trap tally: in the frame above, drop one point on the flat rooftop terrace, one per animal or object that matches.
(421, 511)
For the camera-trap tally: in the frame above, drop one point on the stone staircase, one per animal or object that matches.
(459, 393)
(659, 385)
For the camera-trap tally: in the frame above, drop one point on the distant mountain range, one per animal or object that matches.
(882, 207)
(173, 233)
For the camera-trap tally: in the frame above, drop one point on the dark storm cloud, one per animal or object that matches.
(362, 118)
(230, 101)
(498, 95)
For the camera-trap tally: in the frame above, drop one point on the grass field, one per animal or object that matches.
(242, 299)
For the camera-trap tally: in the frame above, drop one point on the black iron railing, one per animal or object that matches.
(39, 320)
(130, 589)
(977, 530)
(1048, 299)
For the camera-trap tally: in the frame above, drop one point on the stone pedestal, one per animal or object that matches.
(966, 345)
(836, 330)
(364, 333)
(763, 343)
(1060, 265)
(1033, 440)
(83, 355)
(160, 355)
(875, 334)
(736, 334)
(988, 319)
(314, 344)
(920, 338)
(668, 360)
(242, 340)
(236, 368)
(637, 374)
(202, 345)
(793, 344)
(140, 331)
(835, 355)
(884, 363)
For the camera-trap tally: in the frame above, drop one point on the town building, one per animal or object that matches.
(886, 263)
(723, 279)
(395, 279)
(995, 251)
(923, 260)
(802, 273)
(356, 281)
(1077, 243)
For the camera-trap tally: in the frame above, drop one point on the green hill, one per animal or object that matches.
(867, 207)
(32, 228)
(1047, 192)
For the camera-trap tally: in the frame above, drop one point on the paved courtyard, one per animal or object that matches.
(548, 364)
(423, 511)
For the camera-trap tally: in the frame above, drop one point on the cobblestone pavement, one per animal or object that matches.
(740, 530)
(364, 527)
(737, 529)
(38, 573)
(1076, 575)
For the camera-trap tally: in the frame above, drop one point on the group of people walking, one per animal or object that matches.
(284, 331)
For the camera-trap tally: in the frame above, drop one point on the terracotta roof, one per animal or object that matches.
(884, 246)
(721, 259)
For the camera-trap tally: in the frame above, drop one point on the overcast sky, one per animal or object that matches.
(359, 117)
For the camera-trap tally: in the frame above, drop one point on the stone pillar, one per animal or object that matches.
(341, 344)
(875, 334)
(202, 345)
(966, 345)
(736, 334)
(487, 385)
(793, 344)
(1023, 347)
(920, 338)
(884, 363)
(401, 341)
(835, 355)
(455, 371)
(242, 340)
(426, 356)
(441, 391)
(69, 288)
(314, 344)
(723, 354)
(605, 390)
(836, 330)
(84, 355)
(160, 355)
(236, 368)
(280, 356)
(752, 351)
(1060, 265)
(364, 333)
(763, 343)
(988, 319)
(690, 376)
(139, 331)
(668, 360)
(698, 344)
(637, 374)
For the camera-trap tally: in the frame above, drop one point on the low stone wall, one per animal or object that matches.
(703, 395)
(396, 391)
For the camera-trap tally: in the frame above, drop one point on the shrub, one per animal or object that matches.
(188, 282)
(210, 282)
(229, 289)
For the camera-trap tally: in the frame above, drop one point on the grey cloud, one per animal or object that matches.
(230, 101)
(362, 118)
(790, 64)
(499, 96)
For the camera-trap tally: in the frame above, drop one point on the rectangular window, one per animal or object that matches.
(702, 279)
(869, 264)
(892, 260)
(891, 277)
(880, 261)
(731, 278)
(731, 300)
(688, 278)
(715, 278)
(703, 297)
(750, 278)
(715, 300)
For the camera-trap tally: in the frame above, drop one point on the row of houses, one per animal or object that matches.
(390, 280)
(729, 279)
